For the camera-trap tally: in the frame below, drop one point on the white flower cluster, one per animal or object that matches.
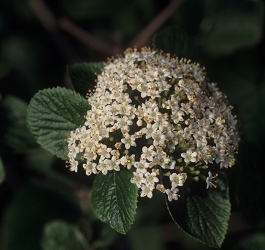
(157, 115)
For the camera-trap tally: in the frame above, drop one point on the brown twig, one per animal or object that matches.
(142, 38)
(86, 37)
(49, 22)
(43, 14)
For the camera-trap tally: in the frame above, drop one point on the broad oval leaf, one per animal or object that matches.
(204, 214)
(175, 41)
(114, 199)
(84, 75)
(52, 114)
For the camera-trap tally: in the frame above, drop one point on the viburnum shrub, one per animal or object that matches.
(152, 123)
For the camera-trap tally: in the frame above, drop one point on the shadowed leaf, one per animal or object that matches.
(204, 214)
(84, 75)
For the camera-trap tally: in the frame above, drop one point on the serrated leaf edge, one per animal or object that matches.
(190, 234)
(27, 116)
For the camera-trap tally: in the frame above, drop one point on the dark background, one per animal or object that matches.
(38, 39)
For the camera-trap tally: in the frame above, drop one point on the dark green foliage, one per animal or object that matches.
(177, 42)
(31, 208)
(115, 201)
(17, 137)
(204, 214)
(60, 235)
(84, 75)
(52, 115)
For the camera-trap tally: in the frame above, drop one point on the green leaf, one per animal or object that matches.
(52, 114)
(204, 214)
(30, 209)
(114, 198)
(84, 75)
(2, 171)
(61, 235)
(176, 42)
(17, 136)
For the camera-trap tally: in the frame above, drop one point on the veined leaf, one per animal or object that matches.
(52, 114)
(114, 198)
(84, 75)
(204, 214)
(176, 42)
